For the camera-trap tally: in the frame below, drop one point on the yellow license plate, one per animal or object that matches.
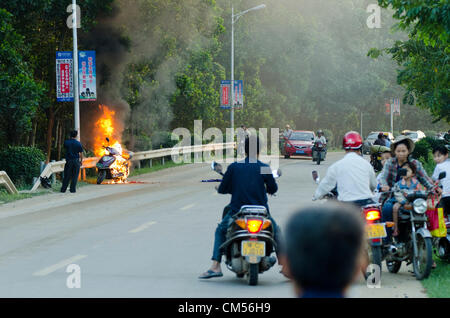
(376, 230)
(253, 248)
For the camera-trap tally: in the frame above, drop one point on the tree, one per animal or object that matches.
(19, 92)
(424, 57)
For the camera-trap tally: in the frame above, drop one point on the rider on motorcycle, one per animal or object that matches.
(353, 175)
(401, 149)
(320, 137)
(248, 182)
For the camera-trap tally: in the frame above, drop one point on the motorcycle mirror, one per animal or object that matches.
(217, 167)
(107, 139)
(442, 175)
(315, 176)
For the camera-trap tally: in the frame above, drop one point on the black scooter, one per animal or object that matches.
(250, 238)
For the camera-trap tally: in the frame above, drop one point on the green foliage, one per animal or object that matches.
(21, 163)
(19, 92)
(423, 152)
(424, 57)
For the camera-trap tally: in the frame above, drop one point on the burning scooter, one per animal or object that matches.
(114, 164)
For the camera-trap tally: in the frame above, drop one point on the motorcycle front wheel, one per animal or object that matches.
(253, 272)
(101, 176)
(423, 261)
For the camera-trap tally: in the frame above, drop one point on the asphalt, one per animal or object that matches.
(149, 239)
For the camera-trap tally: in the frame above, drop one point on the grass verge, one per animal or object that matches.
(437, 285)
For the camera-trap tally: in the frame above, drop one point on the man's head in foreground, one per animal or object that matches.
(324, 249)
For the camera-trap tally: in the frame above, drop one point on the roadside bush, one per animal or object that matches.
(421, 150)
(21, 163)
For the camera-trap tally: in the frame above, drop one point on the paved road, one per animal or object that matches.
(148, 239)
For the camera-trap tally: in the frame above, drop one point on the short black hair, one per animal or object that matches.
(323, 246)
(252, 140)
(73, 133)
(441, 149)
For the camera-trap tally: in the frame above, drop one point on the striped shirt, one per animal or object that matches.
(389, 174)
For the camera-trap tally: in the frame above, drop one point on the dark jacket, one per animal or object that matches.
(247, 184)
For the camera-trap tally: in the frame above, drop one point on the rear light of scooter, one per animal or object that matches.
(373, 215)
(241, 223)
(254, 225)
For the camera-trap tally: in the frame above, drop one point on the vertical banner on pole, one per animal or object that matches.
(396, 103)
(225, 94)
(238, 94)
(64, 77)
(87, 76)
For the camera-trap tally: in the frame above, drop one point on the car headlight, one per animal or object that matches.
(420, 206)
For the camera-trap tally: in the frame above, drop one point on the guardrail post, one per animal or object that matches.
(163, 161)
(53, 176)
(151, 163)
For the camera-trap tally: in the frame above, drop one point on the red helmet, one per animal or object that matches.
(352, 140)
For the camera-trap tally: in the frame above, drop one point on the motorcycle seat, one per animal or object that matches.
(253, 209)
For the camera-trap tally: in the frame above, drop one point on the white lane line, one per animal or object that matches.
(142, 227)
(187, 207)
(64, 263)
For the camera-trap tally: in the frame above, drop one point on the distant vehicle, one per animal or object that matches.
(371, 139)
(414, 135)
(299, 143)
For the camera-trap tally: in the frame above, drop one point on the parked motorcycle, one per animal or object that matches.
(318, 152)
(114, 165)
(414, 243)
(249, 240)
(375, 229)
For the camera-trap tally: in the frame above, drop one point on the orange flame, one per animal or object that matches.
(104, 128)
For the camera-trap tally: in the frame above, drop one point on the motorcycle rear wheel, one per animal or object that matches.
(253, 272)
(424, 260)
(375, 257)
(101, 176)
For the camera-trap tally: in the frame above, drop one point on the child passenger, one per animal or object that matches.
(407, 183)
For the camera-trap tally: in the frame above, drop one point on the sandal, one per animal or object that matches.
(211, 274)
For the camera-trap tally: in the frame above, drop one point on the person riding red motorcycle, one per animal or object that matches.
(354, 177)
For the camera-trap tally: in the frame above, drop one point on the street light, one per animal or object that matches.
(234, 18)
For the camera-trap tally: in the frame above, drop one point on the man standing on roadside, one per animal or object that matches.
(74, 158)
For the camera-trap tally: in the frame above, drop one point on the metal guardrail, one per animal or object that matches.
(58, 166)
(7, 183)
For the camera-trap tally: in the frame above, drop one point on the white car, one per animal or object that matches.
(414, 135)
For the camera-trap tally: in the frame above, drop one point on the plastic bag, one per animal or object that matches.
(436, 220)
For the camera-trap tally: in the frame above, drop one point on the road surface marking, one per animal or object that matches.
(187, 207)
(142, 227)
(59, 265)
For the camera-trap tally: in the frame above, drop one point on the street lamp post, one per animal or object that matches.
(234, 18)
(75, 71)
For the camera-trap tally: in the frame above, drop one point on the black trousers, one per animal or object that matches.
(71, 172)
